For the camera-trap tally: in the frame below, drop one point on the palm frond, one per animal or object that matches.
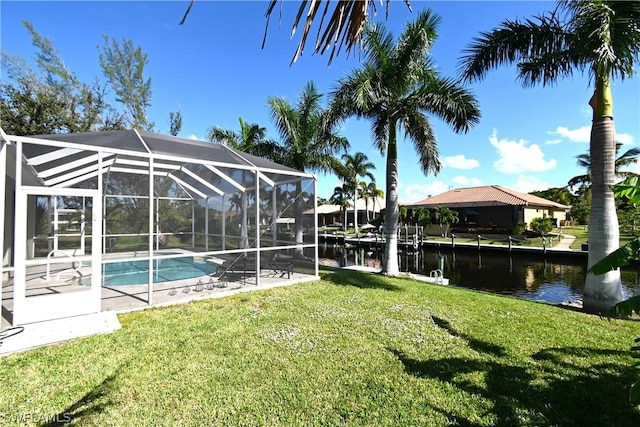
(448, 100)
(418, 129)
(515, 41)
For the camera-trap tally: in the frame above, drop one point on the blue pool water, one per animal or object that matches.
(165, 270)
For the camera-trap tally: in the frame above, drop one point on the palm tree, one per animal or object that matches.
(307, 141)
(356, 166)
(445, 217)
(602, 38)
(340, 197)
(584, 160)
(396, 87)
(251, 139)
(374, 193)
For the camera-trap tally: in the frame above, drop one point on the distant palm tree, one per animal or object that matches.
(371, 192)
(356, 166)
(445, 217)
(602, 38)
(396, 88)
(307, 141)
(340, 197)
(629, 157)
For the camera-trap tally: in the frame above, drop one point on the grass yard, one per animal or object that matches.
(350, 349)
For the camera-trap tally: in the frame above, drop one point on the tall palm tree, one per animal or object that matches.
(602, 38)
(395, 88)
(629, 157)
(307, 141)
(356, 166)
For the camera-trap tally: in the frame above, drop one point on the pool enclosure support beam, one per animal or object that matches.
(224, 225)
(257, 199)
(206, 225)
(4, 142)
(274, 216)
(315, 225)
(152, 209)
(193, 224)
(20, 225)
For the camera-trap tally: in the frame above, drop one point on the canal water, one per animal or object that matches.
(547, 278)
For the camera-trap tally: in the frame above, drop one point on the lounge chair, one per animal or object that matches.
(280, 267)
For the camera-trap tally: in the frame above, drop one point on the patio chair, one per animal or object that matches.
(280, 267)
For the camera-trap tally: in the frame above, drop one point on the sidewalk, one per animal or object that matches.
(566, 241)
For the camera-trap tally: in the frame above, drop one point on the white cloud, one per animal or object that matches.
(416, 191)
(519, 156)
(624, 138)
(581, 134)
(197, 138)
(553, 141)
(529, 183)
(463, 180)
(460, 162)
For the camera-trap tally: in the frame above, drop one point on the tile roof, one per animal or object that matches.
(488, 195)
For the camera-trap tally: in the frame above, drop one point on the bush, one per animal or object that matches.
(541, 225)
(519, 228)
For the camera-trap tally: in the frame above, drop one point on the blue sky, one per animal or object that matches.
(213, 70)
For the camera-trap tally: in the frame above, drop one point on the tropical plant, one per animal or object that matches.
(628, 189)
(445, 217)
(629, 157)
(307, 141)
(395, 88)
(602, 38)
(356, 166)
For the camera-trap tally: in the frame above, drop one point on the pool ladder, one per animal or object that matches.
(436, 275)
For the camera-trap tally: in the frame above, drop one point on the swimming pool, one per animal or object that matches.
(165, 270)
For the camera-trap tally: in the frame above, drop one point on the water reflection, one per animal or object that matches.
(539, 278)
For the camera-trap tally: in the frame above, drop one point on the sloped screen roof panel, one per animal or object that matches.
(116, 139)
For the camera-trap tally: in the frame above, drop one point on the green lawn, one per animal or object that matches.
(350, 349)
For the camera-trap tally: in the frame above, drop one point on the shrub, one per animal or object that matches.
(519, 228)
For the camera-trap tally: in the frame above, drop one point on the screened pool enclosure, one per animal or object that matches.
(121, 219)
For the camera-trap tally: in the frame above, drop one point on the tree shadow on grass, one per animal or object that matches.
(359, 279)
(474, 343)
(564, 386)
(95, 401)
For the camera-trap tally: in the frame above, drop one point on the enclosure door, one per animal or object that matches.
(58, 253)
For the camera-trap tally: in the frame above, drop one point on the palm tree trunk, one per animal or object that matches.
(355, 207)
(390, 267)
(604, 291)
